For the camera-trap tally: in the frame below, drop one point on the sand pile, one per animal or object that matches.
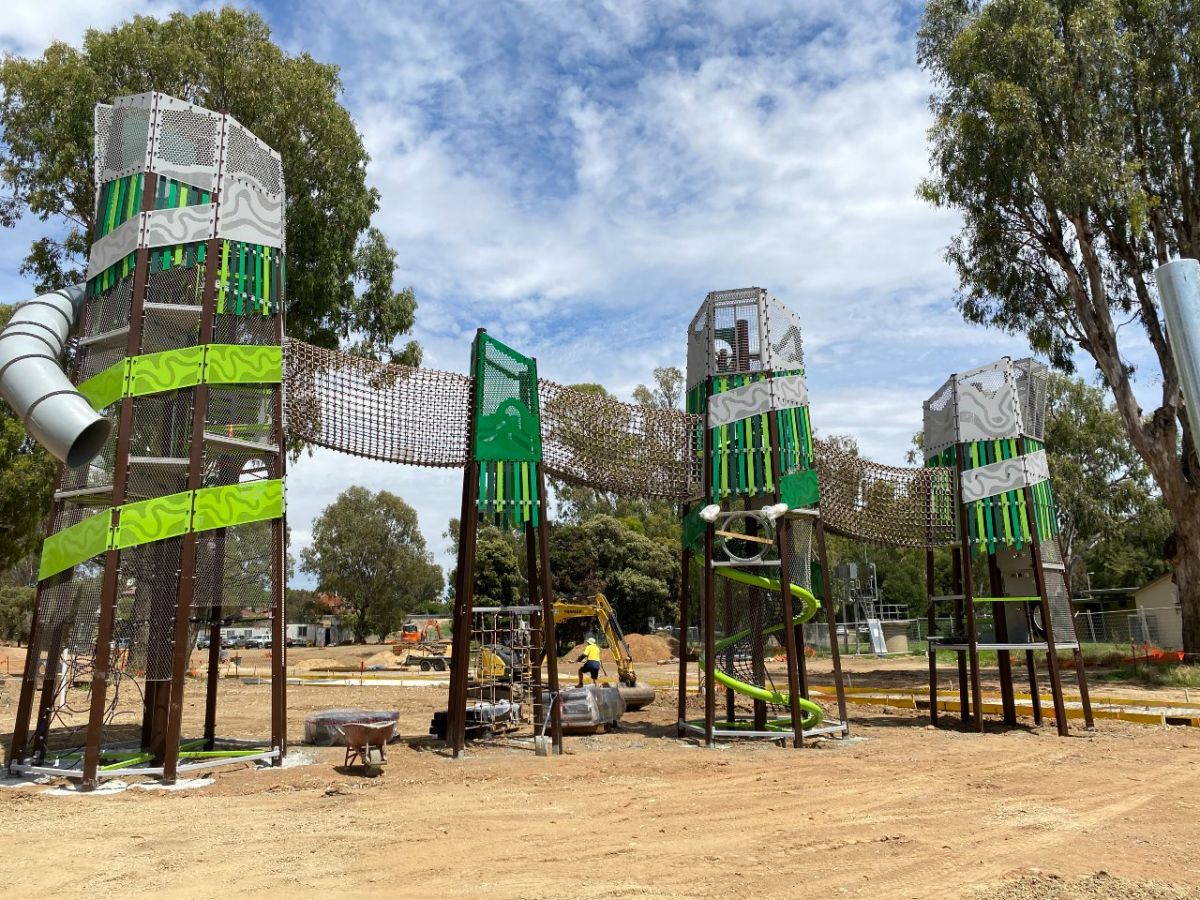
(311, 663)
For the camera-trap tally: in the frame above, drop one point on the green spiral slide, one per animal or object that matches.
(813, 714)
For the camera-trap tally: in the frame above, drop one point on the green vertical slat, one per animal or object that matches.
(241, 278)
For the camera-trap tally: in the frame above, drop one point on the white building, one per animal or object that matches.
(1158, 613)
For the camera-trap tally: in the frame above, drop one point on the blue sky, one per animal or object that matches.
(576, 176)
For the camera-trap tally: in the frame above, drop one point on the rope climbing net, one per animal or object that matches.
(419, 417)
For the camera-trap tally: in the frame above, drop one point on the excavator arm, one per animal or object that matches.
(601, 610)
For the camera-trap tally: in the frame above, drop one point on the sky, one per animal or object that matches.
(575, 177)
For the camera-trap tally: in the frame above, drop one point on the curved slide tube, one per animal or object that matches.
(813, 714)
(34, 384)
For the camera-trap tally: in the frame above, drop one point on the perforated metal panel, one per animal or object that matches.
(248, 157)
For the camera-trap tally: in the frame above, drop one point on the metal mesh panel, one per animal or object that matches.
(242, 412)
(98, 472)
(162, 425)
(246, 156)
(756, 615)
(69, 610)
(145, 622)
(784, 347)
(1031, 377)
(233, 329)
(233, 569)
(697, 348)
(109, 311)
(180, 284)
(188, 138)
(121, 146)
(736, 336)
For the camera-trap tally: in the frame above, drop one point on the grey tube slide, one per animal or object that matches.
(33, 382)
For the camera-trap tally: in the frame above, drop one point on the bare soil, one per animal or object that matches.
(899, 810)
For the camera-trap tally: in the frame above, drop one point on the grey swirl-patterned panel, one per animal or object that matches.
(249, 215)
(182, 225)
(114, 246)
(987, 404)
(1004, 475)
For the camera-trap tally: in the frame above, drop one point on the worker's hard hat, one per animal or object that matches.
(591, 640)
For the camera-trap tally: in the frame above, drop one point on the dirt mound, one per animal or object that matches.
(311, 663)
(644, 648)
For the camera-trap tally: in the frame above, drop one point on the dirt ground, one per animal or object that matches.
(898, 810)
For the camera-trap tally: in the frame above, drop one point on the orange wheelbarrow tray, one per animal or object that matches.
(366, 742)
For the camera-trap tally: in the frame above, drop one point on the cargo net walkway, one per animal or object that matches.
(419, 417)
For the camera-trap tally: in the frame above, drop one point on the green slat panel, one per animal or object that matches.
(73, 545)
(153, 373)
(154, 520)
(508, 424)
(241, 364)
(107, 387)
(237, 504)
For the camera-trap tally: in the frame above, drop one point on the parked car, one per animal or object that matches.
(258, 643)
(203, 643)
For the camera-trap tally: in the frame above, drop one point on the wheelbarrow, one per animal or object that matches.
(366, 743)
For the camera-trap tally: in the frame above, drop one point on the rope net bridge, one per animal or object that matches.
(419, 417)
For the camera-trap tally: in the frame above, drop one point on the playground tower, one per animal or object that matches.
(754, 516)
(986, 427)
(176, 524)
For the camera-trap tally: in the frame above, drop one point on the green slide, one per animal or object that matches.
(813, 714)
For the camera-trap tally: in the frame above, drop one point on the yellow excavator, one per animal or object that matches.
(598, 608)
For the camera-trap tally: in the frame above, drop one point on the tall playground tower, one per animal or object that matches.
(985, 429)
(754, 518)
(171, 521)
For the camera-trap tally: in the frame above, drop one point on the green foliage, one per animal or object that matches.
(667, 392)
(639, 575)
(303, 607)
(16, 612)
(224, 60)
(499, 565)
(367, 549)
(26, 484)
(1112, 524)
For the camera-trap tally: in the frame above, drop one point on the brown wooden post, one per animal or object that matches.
(1035, 696)
(730, 704)
(188, 542)
(110, 580)
(1039, 576)
(930, 628)
(969, 599)
(685, 599)
(536, 625)
(831, 618)
(1000, 623)
(20, 736)
(783, 533)
(709, 615)
(464, 585)
(214, 641)
(279, 569)
(960, 627)
(1080, 674)
(551, 636)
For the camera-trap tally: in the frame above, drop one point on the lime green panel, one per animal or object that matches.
(153, 373)
(237, 504)
(800, 490)
(107, 387)
(73, 545)
(238, 364)
(154, 520)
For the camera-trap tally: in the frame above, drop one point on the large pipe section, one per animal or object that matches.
(33, 382)
(1179, 291)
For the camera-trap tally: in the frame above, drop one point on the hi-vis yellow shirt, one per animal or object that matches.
(592, 651)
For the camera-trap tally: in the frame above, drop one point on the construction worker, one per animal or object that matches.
(590, 657)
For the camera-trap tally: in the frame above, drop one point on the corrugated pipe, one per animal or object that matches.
(34, 384)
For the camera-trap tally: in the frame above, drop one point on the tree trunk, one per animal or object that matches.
(1187, 581)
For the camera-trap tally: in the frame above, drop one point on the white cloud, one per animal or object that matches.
(27, 28)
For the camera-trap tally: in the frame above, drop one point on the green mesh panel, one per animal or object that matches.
(508, 432)
(242, 364)
(154, 373)
(107, 387)
(73, 545)
(237, 504)
(154, 520)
